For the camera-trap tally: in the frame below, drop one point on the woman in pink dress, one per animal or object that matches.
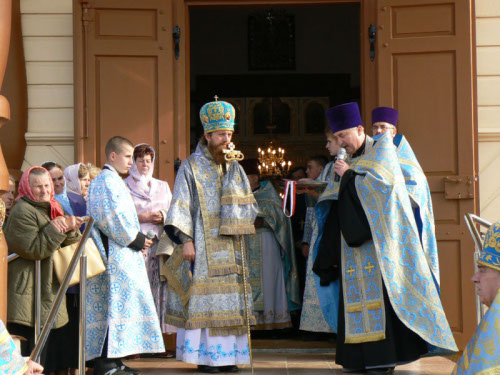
(152, 200)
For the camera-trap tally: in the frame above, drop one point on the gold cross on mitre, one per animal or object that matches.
(216, 98)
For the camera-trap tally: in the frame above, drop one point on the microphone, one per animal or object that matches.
(341, 155)
(150, 235)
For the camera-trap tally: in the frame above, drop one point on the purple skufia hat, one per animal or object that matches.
(385, 114)
(344, 116)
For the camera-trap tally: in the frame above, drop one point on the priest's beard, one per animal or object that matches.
(216, 152)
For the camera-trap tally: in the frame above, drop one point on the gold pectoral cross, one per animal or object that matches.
(232, 154)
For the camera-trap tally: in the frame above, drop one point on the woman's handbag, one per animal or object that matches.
(62, 259)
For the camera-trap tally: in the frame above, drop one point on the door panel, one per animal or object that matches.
(129, 78)
(424, 69)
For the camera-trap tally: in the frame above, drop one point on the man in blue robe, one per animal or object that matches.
(121, 314)
(212, 207)
(271, 254)
(311, 318)
(482, 354)
(385, 120)
(375, 285)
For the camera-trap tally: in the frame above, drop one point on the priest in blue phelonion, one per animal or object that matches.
(271, 253)
(375, 286)
(385, 120)
(212, 207)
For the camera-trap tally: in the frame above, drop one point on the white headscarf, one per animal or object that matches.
(142, 182)
(72, 179)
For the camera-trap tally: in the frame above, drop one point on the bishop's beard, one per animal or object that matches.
(216, 152)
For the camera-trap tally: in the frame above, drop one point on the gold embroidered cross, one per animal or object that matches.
(350, 271)
(369, 267)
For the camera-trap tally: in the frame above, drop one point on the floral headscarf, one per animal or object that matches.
(25, 191)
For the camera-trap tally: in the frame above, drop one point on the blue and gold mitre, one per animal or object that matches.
(217, 116)
(490, 256)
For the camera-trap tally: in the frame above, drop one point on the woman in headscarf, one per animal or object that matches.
(77, 179)
(37, 227)
(72, 203)
(68, 194)
(152, 200)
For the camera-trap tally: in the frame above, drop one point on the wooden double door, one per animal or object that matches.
(129, 81)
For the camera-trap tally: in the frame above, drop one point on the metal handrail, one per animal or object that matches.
(471, 221)
(79, 254)
(12, 257)
(38, 297)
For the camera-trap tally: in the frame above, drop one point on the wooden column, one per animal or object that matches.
(5, 20)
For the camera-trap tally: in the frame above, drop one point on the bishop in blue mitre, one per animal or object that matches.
(211, 209)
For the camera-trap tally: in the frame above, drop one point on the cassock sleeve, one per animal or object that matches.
(352, 218)
(346, 216)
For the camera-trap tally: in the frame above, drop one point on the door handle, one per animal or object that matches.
(372, 33)
(177, 41)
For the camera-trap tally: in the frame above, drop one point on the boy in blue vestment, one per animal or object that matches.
(121, 314)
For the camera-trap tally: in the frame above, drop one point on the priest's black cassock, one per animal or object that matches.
(347, 216)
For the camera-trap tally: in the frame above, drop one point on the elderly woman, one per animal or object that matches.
(37, 227)
(9, 195)
(152, 200)
(93, 171)
(72, 203)
(77, 179)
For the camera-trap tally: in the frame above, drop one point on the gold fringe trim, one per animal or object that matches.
(235, 229)
(216, 289)
(228, 331)
(223, 270)
(237, 199)
(365, 338)
(219, 323)
(175, 321)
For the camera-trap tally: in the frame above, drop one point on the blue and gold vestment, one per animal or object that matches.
(418, 190)
(393, 258)
(482, 354)
(11, 360)
(213, 207)
(276, 222)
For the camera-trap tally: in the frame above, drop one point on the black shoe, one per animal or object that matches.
(209, 369)
(103, 366)
(232, 368)
(132, 371)
(124, 367)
